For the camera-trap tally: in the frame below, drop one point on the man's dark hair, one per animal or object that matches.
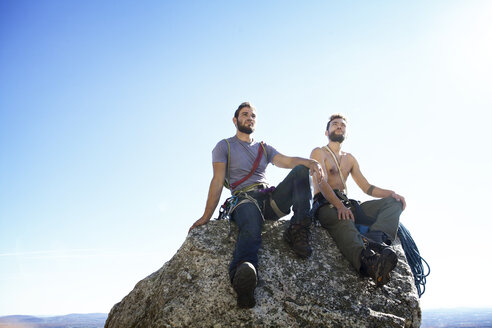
(244, 104)
(335, 116)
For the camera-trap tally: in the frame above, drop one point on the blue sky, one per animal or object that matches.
(109, 112)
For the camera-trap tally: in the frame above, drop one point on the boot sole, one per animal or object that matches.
(244, 283)
(386, 263)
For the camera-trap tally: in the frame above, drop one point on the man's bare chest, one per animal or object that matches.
(332, 168)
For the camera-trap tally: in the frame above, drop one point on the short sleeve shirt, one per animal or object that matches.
(242, 157)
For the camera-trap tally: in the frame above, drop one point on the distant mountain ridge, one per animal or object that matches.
(442, 318)
(91, 320)
(457, 317)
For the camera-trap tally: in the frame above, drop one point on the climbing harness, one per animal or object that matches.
(414, 259)
(242, 196)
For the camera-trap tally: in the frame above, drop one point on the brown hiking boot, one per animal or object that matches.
(244, 283)
(297, 236)
(378, 266)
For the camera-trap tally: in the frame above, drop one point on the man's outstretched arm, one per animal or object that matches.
(214, 192)
(287, 162)
(370, 189)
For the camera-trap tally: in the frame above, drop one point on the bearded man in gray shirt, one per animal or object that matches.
(240, 163)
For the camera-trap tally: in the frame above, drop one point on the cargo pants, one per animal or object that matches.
(380, 215)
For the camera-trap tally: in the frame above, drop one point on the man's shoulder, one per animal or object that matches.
(322, 151)
(266, 144)
(235, 143)
(226, 141)
(350, 157)
(345, 153)
(317, 150)
(271, 151)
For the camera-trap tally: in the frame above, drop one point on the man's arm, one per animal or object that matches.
(370, 189)
(327, 191)
(287, 162)
(214, 192)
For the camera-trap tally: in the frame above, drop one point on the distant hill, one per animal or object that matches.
(442, 318)
(92, 320)
(460, 317)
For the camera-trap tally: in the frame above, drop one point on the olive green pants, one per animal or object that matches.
(382, 215)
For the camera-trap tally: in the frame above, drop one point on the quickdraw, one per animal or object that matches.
(225, 209)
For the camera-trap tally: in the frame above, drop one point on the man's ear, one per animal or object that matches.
(234, 120)
(326, 133)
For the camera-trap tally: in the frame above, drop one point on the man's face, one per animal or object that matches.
(337, 130)
(246, 120)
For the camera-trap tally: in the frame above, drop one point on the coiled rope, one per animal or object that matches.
(414, 259)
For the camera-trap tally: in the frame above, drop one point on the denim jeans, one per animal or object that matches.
(294, 191)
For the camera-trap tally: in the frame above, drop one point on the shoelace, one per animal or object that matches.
(301, 233)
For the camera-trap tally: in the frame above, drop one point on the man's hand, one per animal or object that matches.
(316, 169)
(345, 213)
(199, 222)
(400, 199)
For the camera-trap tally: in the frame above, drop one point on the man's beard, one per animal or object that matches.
(244, 129)
(336, 137)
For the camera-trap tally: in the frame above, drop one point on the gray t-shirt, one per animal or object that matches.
(242, 157)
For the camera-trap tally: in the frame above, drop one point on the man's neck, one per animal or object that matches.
(336, 147)
(244, 137)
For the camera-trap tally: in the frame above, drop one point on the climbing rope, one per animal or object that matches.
(414, 259)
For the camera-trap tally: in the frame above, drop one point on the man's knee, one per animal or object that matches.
(392, 202)
(301, 171)
(250, 233)
(327, 216)
(252, 238)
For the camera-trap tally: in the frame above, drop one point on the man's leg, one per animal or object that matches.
(249, 222)
(345, 234)
(384, 218)
(386, 212)
(244, 264)
(351, 244)
(294, 191)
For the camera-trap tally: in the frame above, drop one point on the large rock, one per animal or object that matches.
(193, 289)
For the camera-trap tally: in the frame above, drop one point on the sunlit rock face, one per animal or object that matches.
(193, 288)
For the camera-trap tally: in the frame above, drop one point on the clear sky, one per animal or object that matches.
(109, 111)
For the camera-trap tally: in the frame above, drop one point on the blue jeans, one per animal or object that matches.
(294, 191)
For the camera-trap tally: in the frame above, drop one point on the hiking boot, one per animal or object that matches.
(297, 236)
(244, 283)
(378, 266)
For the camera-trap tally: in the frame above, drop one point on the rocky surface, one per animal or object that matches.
(193, 289)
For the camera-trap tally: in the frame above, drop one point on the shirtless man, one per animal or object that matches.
(233, 162)
(370, 253)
